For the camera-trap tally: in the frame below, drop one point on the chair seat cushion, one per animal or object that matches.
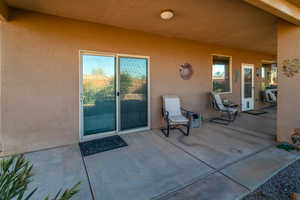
(178, 119)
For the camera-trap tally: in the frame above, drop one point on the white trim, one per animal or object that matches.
(230, 71)
(117, 81)
(97, 136)
(81, 129)
(106, 134)
(147, 128)
(80, 98)
(243, 66)
(118, 115)
(149, 92)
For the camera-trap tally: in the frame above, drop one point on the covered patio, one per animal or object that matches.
(110, 79)
(73, 72)
(214, 162)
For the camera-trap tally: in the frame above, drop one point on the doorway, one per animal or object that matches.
(114, 94)
(247, 88)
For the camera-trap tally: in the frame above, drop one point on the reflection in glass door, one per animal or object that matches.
(98, 94)
(114, 94)
(133, 92)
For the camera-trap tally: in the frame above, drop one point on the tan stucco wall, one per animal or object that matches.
(1, 139)
(40, 74)
(289, 96)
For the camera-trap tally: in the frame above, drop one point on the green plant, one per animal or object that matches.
(15, 176)
(286, 147)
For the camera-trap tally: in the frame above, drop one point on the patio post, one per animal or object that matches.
(289, 86)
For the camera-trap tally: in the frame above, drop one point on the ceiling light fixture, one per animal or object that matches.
(167, 14)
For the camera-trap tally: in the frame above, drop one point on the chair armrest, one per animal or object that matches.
(232, 105)
(185, 110)
(165, 114)
(186, 113)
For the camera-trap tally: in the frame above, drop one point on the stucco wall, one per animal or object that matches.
(40, 74)
(1, 139)
(289, 96)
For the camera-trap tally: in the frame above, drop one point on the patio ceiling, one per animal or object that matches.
(231, 23)
(296, 2)
(288, 10)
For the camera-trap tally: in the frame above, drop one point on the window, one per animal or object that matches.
(221, 74)
(268, 76)
(263, 72)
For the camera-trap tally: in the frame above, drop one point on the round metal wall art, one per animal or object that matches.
(296, 137)
(186, 71)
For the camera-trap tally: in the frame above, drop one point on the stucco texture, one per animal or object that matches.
(40, 74)
(289, 97)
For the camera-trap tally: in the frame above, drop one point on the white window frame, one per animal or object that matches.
(230, 72)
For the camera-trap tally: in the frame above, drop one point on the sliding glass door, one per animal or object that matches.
(133, 92)
(114, 94)
(99, 94)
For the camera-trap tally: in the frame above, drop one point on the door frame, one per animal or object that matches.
(246, 65)
(83, 138)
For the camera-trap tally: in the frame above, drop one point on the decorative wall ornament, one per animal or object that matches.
(186, 71)
(291, 67)
(296, 137)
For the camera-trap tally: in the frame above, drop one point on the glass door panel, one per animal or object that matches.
(98, 94)
(133, 92)
(248, 82)
(247, 87)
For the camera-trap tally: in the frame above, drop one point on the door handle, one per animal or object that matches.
(81, 98)
(118, 93)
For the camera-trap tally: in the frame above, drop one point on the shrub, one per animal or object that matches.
(15, 176)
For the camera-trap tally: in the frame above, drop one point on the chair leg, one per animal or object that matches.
(229, 116)
(166, 131)
(219, 120)
(188, 130)
(235, 115)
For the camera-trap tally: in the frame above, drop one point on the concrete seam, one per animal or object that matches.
(87, 175)
(175, 190)
(187, 152)
(242, 185)
(179, 188)
(248, 133)
(245, 157)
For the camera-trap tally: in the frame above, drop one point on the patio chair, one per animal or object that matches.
(271, 97)
(175, 116)
(228, 114)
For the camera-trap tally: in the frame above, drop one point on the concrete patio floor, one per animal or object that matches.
(214, 162)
